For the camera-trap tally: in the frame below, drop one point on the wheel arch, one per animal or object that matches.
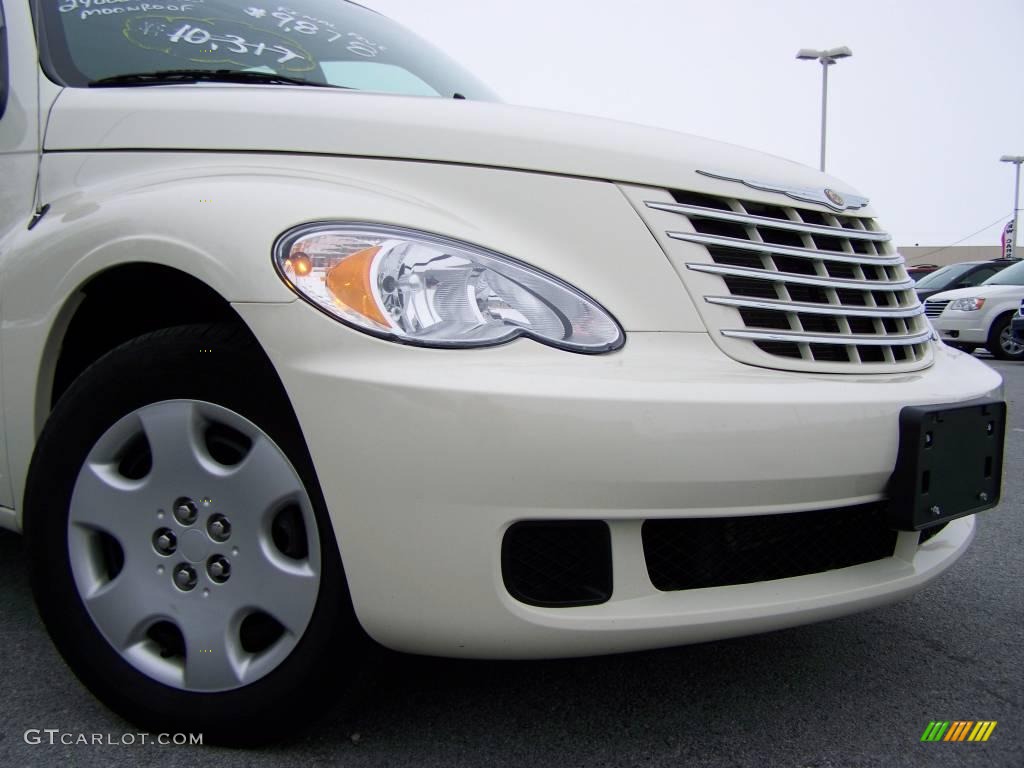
(109, 309)
(1010, 312)
(101, 313)
(999, 322)
(1004, 315)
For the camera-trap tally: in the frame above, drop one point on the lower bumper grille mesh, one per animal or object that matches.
(558, 563)
(715, 552)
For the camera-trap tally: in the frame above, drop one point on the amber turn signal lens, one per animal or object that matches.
(349, 284)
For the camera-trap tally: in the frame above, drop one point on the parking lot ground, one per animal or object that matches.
(857, 691)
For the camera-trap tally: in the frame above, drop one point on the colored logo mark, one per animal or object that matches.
(836, 198)
(959, 730)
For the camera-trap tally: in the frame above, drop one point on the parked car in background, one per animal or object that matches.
(1017, 324)
(917, 271)
(964, 274)
(980, 316)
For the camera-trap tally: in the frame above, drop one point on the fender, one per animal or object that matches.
(216, 216)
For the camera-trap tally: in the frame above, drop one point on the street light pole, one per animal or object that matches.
(1016, 160)
(825, 64)
(827, 59)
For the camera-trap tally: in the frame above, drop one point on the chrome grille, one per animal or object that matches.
(803, 284)
(936, 308)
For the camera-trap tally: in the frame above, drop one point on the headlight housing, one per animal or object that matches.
(967, 305)
(432, 291)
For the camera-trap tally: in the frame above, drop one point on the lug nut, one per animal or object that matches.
(185, 577)
(185, 511)
(165, 542)
(219, 568)
(219, 528)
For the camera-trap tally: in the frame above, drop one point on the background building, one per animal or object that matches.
(949, 255)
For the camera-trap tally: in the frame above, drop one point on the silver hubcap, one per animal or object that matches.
(194, 546)
(1009, 346)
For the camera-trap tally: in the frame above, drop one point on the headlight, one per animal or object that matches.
(967, 305)
(422, 289)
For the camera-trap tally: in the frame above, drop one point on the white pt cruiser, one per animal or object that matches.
(309, 344)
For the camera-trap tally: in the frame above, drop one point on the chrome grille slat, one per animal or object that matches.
(786, 250)
(696, 211)
(792, 277)
(936, 308)
(815, 309)
(794, 286)
(838, 339)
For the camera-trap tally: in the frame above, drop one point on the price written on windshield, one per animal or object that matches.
(218, 41)
(231, 43)
(291, 21)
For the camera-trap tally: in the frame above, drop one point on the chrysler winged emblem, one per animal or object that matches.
(823, 195)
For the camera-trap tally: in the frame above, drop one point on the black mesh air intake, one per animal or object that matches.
(715, 552)
(559, 564)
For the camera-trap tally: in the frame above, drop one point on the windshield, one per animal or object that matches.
(942, 276)
(1010, 276)
(326, 42)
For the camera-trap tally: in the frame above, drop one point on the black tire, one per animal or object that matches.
(222, 365)
(998, 345)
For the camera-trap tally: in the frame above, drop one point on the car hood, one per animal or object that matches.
(346, 123)
(988, 291)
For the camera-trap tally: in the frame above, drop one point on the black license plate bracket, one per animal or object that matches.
(950, 463)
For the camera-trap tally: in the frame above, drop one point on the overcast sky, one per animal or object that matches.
(918, 118)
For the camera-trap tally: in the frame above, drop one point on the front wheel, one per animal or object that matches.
(1001, 342)
(181, 554)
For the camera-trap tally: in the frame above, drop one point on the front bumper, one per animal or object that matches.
(960, 327)
(426, 457)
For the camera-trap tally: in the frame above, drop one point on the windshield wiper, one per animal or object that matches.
(175, 76)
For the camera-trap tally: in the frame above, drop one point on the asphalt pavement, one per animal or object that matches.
(857, 691)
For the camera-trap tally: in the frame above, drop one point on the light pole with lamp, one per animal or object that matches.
(827, 59)
(1016, 160)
